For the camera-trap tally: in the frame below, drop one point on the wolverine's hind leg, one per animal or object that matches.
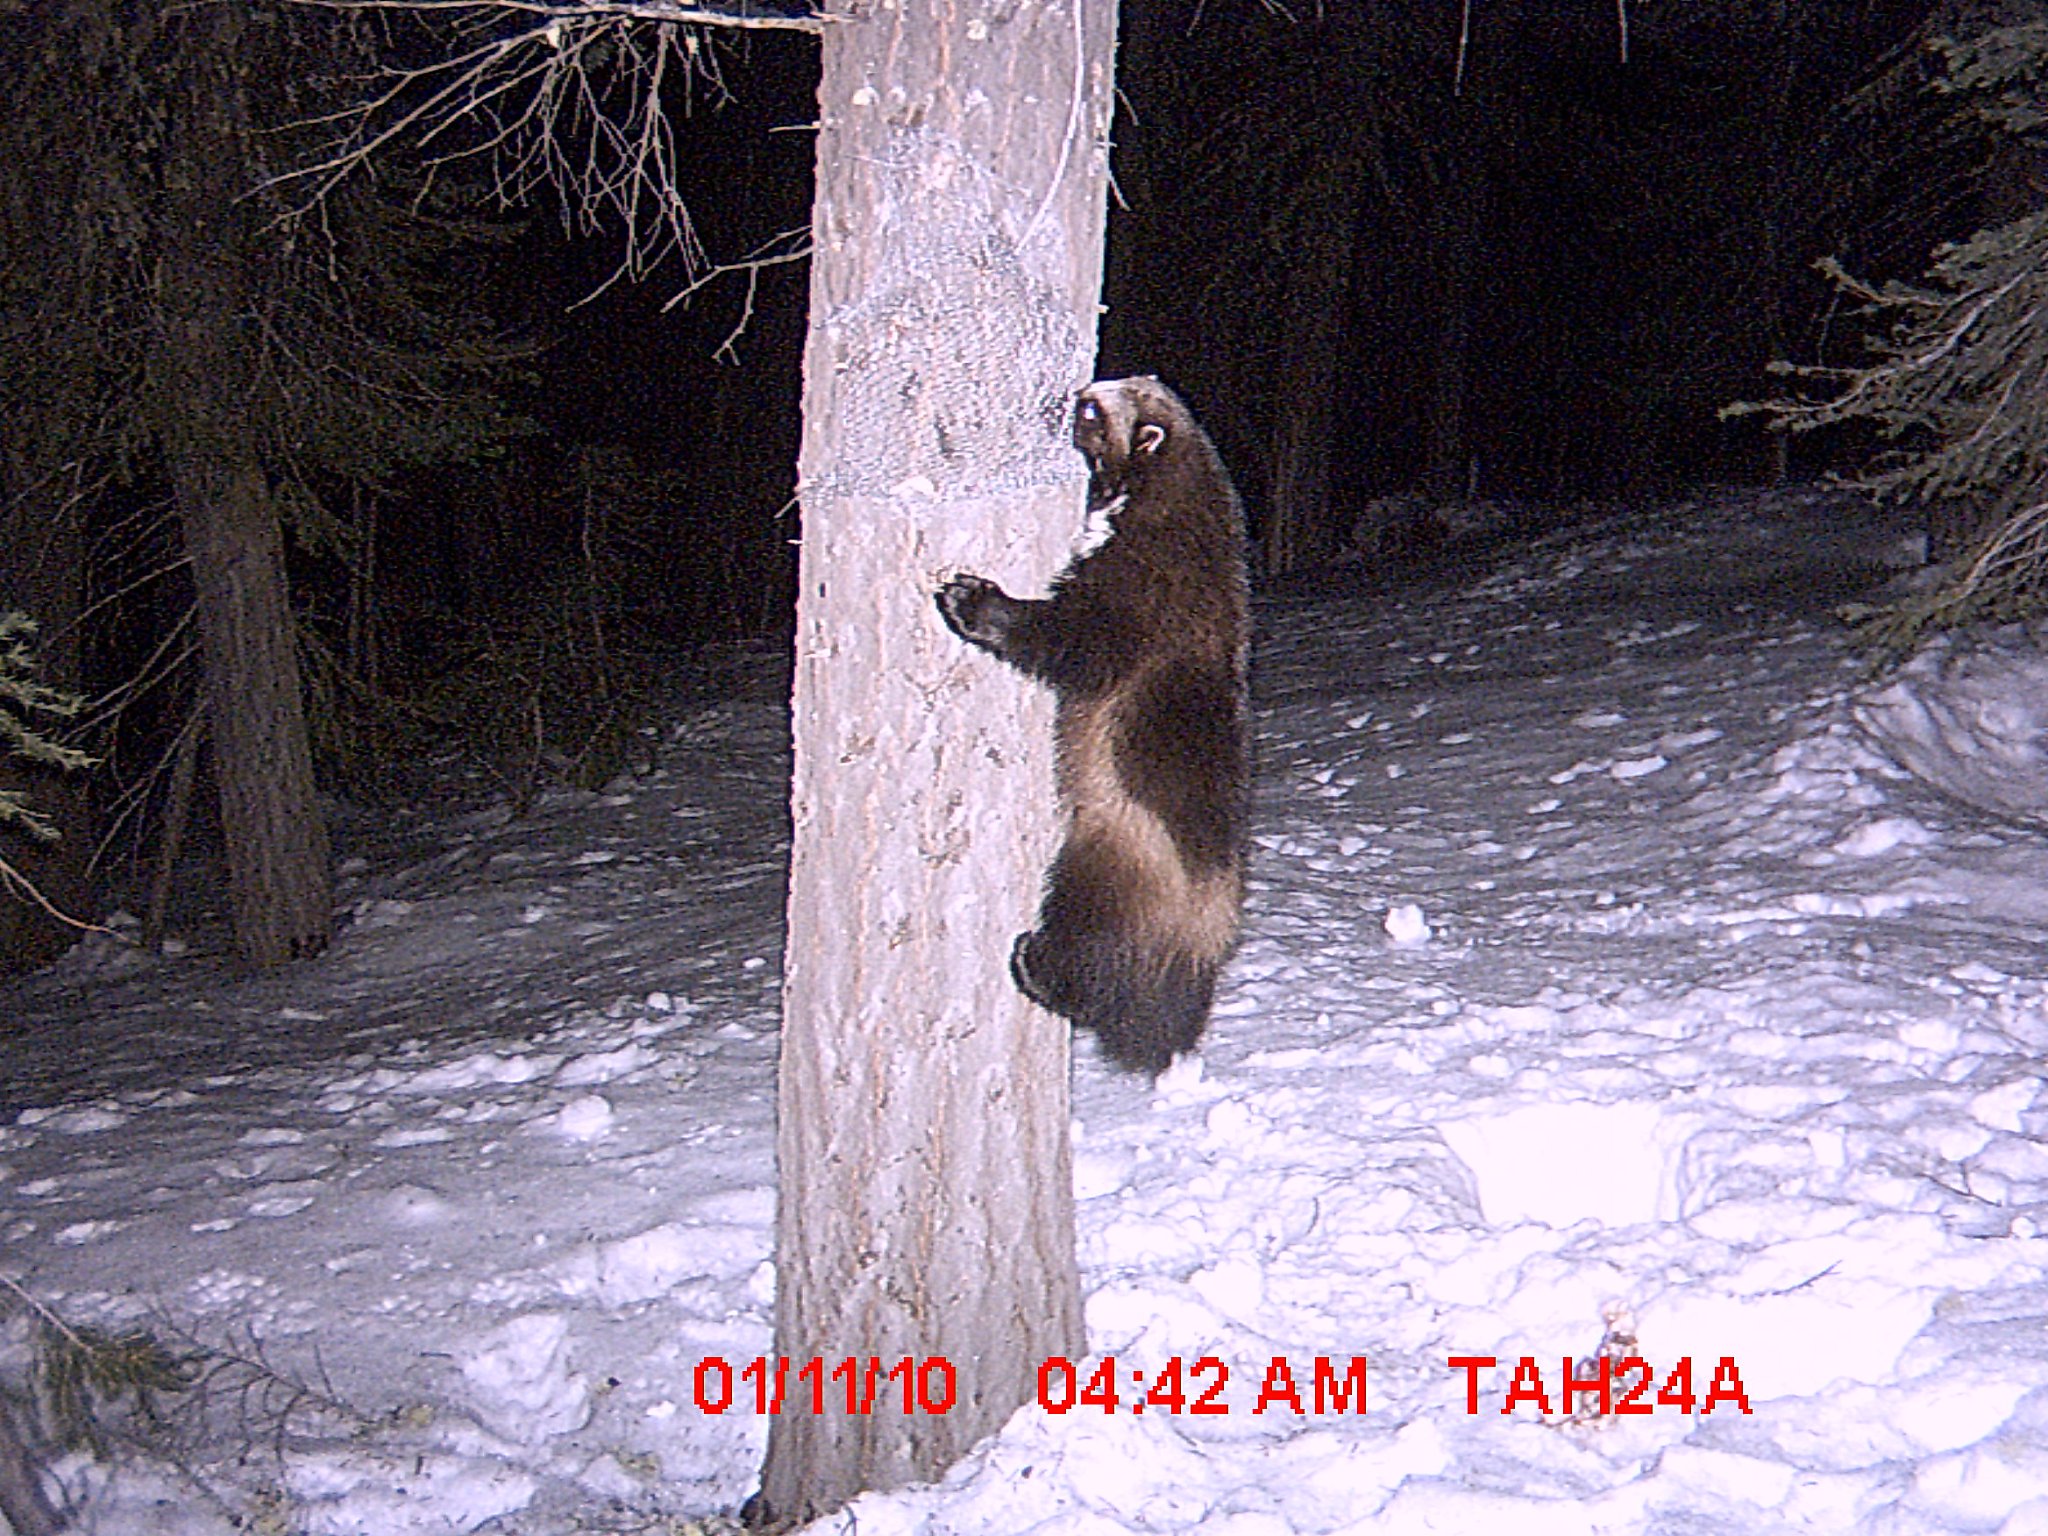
(1069, 963)
(1144, 1009)
(1090, 960)
(1161, 1014)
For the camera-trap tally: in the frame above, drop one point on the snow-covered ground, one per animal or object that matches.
(1610, 986)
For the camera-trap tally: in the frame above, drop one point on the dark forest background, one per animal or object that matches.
(1399, 254)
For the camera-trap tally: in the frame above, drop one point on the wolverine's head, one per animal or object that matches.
(1119, 421)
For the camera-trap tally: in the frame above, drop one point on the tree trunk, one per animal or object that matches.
(926, 1193)
(270, 821)
(1299, 525)
(1780, 213)
(206, 358)
(1459, 221)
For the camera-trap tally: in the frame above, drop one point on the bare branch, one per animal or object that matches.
(792, 245)
(629, 10)
(574, 99)
(16, 885)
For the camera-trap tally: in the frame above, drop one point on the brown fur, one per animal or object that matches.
(1168, 905)
(1144, 641)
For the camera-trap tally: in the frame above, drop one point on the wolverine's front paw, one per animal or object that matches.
(975, 609)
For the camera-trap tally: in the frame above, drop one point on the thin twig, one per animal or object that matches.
(50, 1319)
(578, 101)
(1464, 40)
(14, 882)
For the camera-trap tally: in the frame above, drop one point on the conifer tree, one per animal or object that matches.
(1959, 386)
(29, 711)
(167, 337)
(24, 700)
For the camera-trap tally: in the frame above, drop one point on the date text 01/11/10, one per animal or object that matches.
(853, 1385)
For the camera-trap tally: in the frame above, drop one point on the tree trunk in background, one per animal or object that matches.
(1780, 212)
(926, 1208)
(1299, 525)
(2008, 188)
(206, 353)
(276, 844)
(1143, 292)
(1458, 227)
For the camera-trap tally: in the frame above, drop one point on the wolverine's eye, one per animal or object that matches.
(1090, 410)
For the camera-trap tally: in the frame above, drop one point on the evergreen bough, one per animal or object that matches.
(22, 699)
(1961, 380)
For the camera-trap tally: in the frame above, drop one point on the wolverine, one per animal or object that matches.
(1143, 639)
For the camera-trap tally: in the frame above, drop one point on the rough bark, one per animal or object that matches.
(926, 1193)
(1458, 223)
(207, 354)
(276, 844)
(1300, 528)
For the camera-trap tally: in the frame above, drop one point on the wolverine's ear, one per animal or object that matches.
(1149, 437)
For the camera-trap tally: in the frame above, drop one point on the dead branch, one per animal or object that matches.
(17, 886)
(631, 10)
(792, 245)
(571, 99)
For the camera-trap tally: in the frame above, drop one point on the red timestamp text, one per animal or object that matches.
(1615, 1386)
(1198, 1387)
(852, 1384)
(856, 1384)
